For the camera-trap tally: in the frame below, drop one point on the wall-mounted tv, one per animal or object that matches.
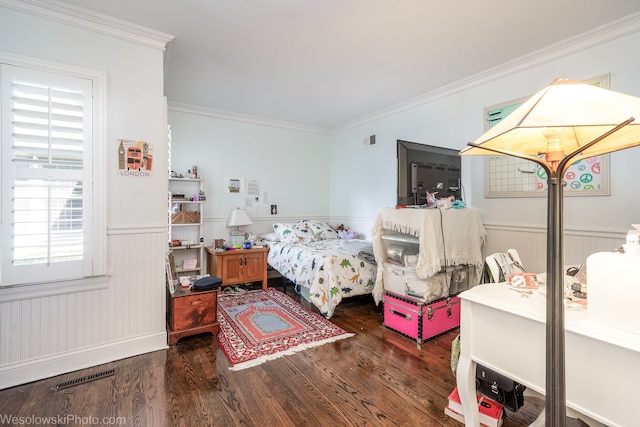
(426, 168)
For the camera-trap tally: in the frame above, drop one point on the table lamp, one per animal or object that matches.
(563, 123)
(237, 218)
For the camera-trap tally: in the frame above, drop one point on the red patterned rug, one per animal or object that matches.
(263, 325)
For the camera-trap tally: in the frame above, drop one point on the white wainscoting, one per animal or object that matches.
(216, 228)
(531, 244)
(529, 241)
(52, 333)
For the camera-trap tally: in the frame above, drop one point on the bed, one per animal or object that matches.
(324, 267)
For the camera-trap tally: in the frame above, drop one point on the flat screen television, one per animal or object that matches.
(426, 168)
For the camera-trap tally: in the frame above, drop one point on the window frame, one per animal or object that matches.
(96, 244)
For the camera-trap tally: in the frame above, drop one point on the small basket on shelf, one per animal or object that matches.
(183, 216)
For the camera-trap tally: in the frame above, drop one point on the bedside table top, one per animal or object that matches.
(184, 292)
(235, 251)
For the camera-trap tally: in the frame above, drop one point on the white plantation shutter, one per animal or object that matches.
(46, 176)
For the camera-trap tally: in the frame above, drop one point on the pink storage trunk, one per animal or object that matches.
(419, 320)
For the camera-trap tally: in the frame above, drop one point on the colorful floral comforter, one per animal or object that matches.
(326, 268)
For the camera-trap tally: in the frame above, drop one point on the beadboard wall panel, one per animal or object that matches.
(529, 241)
(52, 328)
(48, 335)
(216, 228)
(138, 275)
(531, 244)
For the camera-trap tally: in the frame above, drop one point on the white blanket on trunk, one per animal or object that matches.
(446, 236)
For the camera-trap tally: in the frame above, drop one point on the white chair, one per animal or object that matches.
(499, 266)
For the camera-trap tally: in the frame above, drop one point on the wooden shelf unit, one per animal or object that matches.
(185, 223)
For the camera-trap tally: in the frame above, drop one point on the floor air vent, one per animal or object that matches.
(83, 380)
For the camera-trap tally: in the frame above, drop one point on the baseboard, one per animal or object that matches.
(38, 369)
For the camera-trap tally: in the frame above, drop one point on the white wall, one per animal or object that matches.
(456, 119)
(292, 166)
(61, 331)
(339, 177)
(453, 121)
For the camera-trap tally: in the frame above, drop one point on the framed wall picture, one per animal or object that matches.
(507, 176)
(234, 185)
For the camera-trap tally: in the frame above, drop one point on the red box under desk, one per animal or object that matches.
(420, 320)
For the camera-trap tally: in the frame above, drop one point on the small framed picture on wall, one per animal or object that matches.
(234, 185)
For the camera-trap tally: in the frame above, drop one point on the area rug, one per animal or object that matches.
(263, 325)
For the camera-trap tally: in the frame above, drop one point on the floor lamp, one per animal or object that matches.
(563, 123)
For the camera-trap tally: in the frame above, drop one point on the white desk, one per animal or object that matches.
(504, 331)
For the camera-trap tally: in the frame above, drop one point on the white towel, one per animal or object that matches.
(410, 260)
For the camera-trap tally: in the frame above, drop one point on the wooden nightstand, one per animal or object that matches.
(190, 313)
(240, 266)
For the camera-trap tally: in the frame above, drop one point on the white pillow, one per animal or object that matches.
(321, 230)
(269, 237)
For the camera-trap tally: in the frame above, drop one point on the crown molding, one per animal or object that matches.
(83, 18)
(246, 118)
(89, 20)
(619, 28)
(616, 29)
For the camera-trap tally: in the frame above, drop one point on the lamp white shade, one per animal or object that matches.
(238, 218)
(580, 113)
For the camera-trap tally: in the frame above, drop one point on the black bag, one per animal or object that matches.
(207, 283)
(503, 390)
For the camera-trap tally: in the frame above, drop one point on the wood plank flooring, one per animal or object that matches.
(376, 378)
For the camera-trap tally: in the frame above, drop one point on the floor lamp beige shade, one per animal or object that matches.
(563, 123)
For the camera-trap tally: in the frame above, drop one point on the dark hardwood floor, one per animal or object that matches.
(376, 378)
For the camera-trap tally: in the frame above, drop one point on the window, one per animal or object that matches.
(49, 232)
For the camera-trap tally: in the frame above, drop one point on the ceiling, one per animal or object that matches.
(324, 64)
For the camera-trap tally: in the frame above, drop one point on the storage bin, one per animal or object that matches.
(185, 217)
(419, 320)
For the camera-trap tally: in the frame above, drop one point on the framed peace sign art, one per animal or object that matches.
(584, 176)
